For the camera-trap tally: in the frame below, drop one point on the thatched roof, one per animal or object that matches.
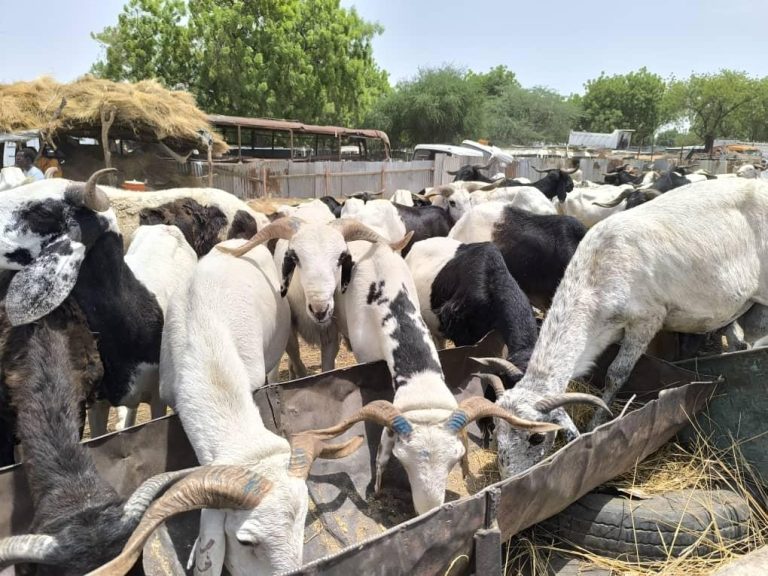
(144, 111)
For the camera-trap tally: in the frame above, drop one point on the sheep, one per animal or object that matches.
(379, 312)
(314, 260)
(161, 259)
(79, 520)
(381, 216)
(402, 197)
(591, 205)
(224, 332)
(87, 369)
(237, 215)
(687, 262)
(536, 248)
(465, 291)
(749, 171)
(65, 240)
(333, 205)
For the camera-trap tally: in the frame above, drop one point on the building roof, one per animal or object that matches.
(297, 127)
(596, 139)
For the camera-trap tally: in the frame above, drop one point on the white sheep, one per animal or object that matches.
(691, 262)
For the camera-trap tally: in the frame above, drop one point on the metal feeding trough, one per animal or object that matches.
(349, 531)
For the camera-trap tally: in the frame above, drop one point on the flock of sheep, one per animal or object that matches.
(189, 298)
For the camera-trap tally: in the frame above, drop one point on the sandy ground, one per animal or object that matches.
(309, 354)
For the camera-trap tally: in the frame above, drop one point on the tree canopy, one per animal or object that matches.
(303, 59)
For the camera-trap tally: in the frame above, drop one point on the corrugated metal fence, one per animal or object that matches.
(286, 179)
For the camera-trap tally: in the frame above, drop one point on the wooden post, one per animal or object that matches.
(210, 163)
(239, 145)
(106, 123)
(383, 177)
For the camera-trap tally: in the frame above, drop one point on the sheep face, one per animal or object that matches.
(266, 540)
(319, 253)
(517, 449)
(428, 454)
(46, 233)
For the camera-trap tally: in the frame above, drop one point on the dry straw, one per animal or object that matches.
(143, 110)
(673, 467)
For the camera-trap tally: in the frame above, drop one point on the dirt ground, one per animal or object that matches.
(309, 354)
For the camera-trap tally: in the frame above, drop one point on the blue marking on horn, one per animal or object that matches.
(401, 426)
(457, 421)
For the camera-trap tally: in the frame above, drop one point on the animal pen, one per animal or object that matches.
(351, 531)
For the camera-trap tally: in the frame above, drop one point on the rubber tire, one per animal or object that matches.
(603, 523)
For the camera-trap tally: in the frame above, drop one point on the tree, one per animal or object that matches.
(442, 105)
(305, 59)
(710, 102)
(633, 100)
(525, 116)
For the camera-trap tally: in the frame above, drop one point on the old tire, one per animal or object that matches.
(653, 528)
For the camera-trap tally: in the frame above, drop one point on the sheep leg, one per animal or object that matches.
(328, 351)
(382, 456)
(296, 368)
(273, 375)
(633, 345)
(126, 417)
(98, 414)
(157, 407)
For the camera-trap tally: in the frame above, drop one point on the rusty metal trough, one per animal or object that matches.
(344, 529)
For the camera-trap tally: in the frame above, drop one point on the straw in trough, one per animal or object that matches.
(142, 111)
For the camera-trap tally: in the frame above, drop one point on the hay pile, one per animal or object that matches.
(673, 467)
(144, 111)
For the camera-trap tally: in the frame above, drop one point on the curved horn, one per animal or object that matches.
(353, 230)
(492, 186)
(568, 171)
(306, 447)
(499, 366)
(230, 487)
(379, 193)
(381, 412)
(611, 173)
(567, 398)
(89, 195)
(493, 381)
(143, 496)
(51, 172)
(443, 190)
(453, 172)
(616, 201)
(283, 228)
(543, 171)
(477, 407)
(28, 548)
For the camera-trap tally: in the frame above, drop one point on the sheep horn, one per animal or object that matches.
(89, 195)
(379, 193)
(381, 412)
(543, 171)
(306, 447)
(616, 201)
(477, 407)
(493, 185)
(229, 487)
(283, 228)
(499, 366)
(557, 401)
(453, 172)
(443, 190)
(569, 170)
(352, 230)
(140, 500)
(28, 548)
(493, 381)
(51, 172)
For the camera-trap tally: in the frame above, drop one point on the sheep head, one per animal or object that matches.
(320, 252)
(428, 442)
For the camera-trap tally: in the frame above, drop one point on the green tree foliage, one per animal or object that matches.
(633, 100)
(305, 59)
(525, 116)
(440, 105)
(712, 103)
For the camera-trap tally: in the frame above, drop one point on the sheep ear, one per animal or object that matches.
(289, 265)
(207, 555)
(40, 287)
(347, 264)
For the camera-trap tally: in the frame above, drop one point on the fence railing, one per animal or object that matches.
(286, 179)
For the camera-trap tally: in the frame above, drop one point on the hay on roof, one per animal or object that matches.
(144, 111)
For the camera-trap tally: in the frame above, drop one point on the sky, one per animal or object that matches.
(556, 43)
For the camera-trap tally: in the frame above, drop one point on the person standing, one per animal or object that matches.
(25, 159)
